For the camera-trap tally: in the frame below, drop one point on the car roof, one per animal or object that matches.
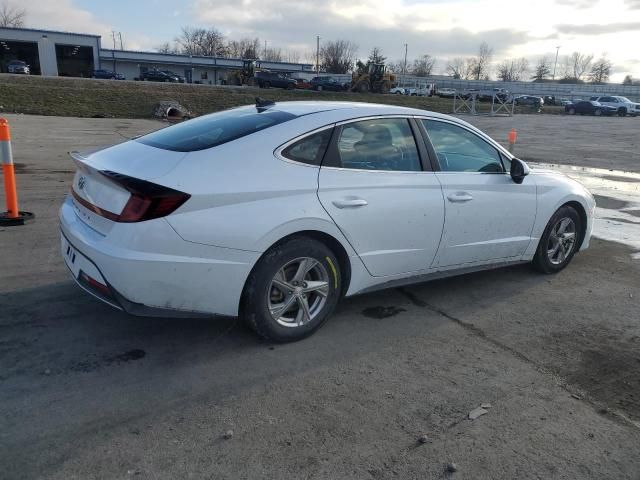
(351, 109)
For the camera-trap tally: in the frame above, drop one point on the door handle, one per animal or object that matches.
(350, 203)
(460, 197)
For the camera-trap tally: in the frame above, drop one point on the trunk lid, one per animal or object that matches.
(97, 199)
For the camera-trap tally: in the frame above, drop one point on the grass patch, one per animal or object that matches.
(79, 97)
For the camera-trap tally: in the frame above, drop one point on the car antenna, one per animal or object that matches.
(262, 104)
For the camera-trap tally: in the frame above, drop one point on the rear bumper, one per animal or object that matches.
(149, 270)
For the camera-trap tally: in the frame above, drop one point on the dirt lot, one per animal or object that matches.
(88, 392)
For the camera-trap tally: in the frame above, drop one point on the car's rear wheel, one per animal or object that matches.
(559, 241)
(292, 290)
(572, 111)
(266, 84)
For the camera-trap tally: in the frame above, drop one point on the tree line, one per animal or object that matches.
(341, 56)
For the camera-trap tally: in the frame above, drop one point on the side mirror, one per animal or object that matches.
(519, 170)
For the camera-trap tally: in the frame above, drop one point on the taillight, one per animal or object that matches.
(148, 200)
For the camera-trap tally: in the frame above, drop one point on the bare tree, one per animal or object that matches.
(481, 63)
(244, 48)
(513, 70)
(293, 56)
(628, 80)
(396, 67)
(338, 56)
(458, 68)
(601, 70)
(577, 65)
(542, 70)
(12, 17)
(167, 47)
(376, 56)
(272, 55)
(200, 41)
(423, 66)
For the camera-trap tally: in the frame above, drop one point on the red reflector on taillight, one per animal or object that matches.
(95, 284)
(148, 200)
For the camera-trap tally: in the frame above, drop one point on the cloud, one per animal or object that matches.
(632, 4)
(581, 4)
(60, 15)
(598, 29)
(369, 23)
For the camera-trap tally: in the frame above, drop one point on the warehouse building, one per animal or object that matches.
(52, 53)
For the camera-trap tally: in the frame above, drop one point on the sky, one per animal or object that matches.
(441, 28)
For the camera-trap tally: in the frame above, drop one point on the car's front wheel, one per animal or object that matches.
(559, 241)
(572, 111)
(292, 290)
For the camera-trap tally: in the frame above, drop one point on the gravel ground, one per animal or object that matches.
(88, 392)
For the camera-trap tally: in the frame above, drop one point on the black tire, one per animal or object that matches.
(598, 112)
(541, 260)
(266, 84)
(622, 112)
(572, 111)
(254, 308)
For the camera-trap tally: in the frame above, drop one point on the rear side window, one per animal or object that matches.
(214, 129)
(310, 149)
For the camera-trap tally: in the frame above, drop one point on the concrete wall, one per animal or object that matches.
(47, 41)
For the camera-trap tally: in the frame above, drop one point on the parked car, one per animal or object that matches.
(589, 107)
(107, 74)
(563, 102)
(18, 66)
(274, 212)
(446, 92)
(326, 83)
(267, 79)
(172, 74)
(422, 90)
(158, 76)
(529, 100)
(303, 84)
(499, 93)
(622, 105)
(398, 91)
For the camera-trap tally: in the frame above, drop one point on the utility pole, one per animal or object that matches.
(318, 55)
(113, 52)
(406, 47)
(121, 45)
(265, 49)
(556, 63)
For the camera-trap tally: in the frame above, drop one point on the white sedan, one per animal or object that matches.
(273, 212)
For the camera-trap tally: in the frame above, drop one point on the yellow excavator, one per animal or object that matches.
(375, 79)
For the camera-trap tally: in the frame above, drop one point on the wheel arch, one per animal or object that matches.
(327, 239)
(582, 212)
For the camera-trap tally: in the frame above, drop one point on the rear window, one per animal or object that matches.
(214, 129)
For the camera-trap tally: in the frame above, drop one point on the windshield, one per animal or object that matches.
(624, 99)
(214, 129)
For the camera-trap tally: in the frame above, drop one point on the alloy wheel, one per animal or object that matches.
(561, 241)
(298, 292)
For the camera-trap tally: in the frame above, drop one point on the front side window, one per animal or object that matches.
(459, 150)
(380, 144)
(310, 149)
(214, 129)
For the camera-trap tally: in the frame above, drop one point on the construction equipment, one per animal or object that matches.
(375, 79)
(244, 76)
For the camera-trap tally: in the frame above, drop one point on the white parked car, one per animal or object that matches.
(398, 91)
(446, 92)
(422, 90)
(623, 104)
(273, 212)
